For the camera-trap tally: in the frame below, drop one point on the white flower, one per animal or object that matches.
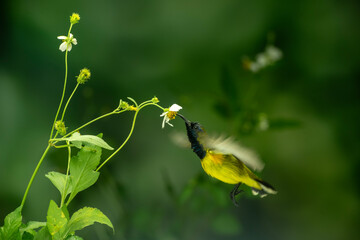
(273, 53)
(66, 42)
(262, 60)
(170, 114)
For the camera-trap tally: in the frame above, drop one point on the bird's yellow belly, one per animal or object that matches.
(226, 171)
(216, 168)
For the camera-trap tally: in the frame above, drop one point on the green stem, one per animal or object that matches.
(60, 146)
(52, 128)
(143, 103)
(34, 174)
(86, 124)
(131, 131)
(68, 101)
(122, 145)
(64, 89)
(63, 195)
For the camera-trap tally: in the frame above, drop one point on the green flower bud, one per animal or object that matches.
(123, 105)
(74, 18)
(155, 100)
(60, 127)
(84, 76)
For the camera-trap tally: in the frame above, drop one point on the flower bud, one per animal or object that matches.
(60, 127)
(155, 100)
(123, 105)
(83, 76)
(74, 18)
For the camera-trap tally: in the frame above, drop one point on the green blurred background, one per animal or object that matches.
(190, 53)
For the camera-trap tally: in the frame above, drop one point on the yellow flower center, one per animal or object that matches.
(171, 115)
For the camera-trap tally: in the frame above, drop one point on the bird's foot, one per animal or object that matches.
(235, 192)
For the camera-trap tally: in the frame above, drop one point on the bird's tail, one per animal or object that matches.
(266, 188)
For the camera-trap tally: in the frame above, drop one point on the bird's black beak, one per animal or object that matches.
(186, 121)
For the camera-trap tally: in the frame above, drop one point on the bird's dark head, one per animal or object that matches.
(194, 127)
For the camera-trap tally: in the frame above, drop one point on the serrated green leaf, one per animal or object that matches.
(56, 220)
(59, 180)
(95, 140)
(43, 234)
(82, 169)
(85, 217)
(12, 223)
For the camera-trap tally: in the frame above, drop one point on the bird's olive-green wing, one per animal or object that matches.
(231, 147)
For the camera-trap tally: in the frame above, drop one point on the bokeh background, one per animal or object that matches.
(301, 114)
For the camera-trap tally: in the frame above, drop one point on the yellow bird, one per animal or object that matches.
(219, 161)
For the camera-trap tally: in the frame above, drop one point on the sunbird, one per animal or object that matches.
(219, 162)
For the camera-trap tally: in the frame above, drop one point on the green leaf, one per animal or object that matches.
(43, 234)
(66, 212)
(59, 180)
(77, 144)
(30, 226)
(56, 220)
(82, 169)
(85, 217)
(95, 140)
(12, 223)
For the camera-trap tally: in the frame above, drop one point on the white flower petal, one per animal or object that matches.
(63, 46)
(69, 47)
(273, 53)
(262, 60)
(61, 37)
(74, 41)
(71, 36)
(254, 67)
(163, 123)
(175, 108)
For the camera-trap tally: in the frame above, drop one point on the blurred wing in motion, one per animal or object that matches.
(230, 146)
(179, 138)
